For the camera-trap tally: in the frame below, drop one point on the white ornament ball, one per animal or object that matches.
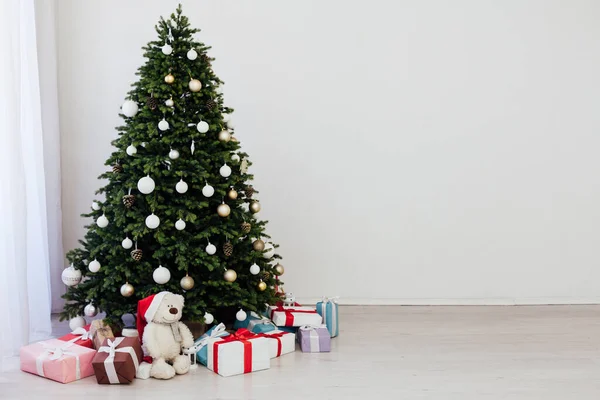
(208, 318)
(77, 322)
(71, 276)
(167, 49)
(94, 266)
(192, 54)
(181, 186)
(241, 315)
(95, 205)
(180, 224)
(90, 310)
(230, 124)
(211, 249)
(127, 243)
(225, 170)
(131, 150)
(202, 126)
(146, 185)
(129, 108)
(226, 117)
(254, 269)
(195, 85)
(173, 154)
(269, 250)
(163, 125)
(235, 157)
(152, 221)
(102, 221)
(161, 275)
(169, 103)
(208, 190)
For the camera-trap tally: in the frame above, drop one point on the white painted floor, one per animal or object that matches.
(445, 353)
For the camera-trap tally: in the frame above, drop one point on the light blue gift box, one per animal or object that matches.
(200, 343)
(244, 324)
(328, 309)
(262, 325)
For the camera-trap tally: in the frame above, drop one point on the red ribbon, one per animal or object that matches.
(242, 335)
(289, 317)
(276, 336)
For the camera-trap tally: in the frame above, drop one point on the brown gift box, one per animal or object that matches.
(117, 360)
(100, 332)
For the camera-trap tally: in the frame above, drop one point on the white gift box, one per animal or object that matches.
(234, 356)
(294, 316)
(280, 342)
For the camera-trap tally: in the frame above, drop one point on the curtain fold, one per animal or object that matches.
(25, 297)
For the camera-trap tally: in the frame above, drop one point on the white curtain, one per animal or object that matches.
(25, 296)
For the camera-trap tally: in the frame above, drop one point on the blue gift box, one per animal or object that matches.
(244, 324)
(262, 325)
(328, 309)
(202, 341)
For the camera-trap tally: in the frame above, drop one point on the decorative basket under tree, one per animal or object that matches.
(179, 213)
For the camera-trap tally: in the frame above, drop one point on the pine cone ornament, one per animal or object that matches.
(265, 275)
(152, 103)
(117, 168)
(228, 249)
(211, 104)
(128, 200)
(204, 57)
(136, 254)
(246, 227)
(249, 191)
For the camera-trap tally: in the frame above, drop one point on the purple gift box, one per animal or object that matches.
(314, 339)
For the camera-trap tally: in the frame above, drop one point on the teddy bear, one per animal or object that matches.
(164, 335)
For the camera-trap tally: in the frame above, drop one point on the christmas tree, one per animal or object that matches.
(179, 214)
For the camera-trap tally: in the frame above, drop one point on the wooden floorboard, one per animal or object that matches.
(446, 353)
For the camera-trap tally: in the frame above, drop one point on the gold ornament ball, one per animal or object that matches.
(230, 275)
(262, 286)
(169, 79)
(187, 282)
(127, 290)
(195, 85)
(232, 194)
(279, 269)
(255, 207)
(224, 136)
(258, 245)
(223, 210)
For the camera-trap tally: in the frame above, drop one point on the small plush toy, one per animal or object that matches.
(163, 335)
(289, 300)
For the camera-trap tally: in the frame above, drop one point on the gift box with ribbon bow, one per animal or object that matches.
(314, 339)
(58, 360)
(252, 316)
(80, 336)
(199, 347)
(100, 332)
(240, 353)
(294, 316)
(117, 360)
(328, 309)
(262, 325)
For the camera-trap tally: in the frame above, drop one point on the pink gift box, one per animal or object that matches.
(57, 360)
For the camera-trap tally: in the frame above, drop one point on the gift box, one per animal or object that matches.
(80, 336)
(58, 360)
(314, 339)
(252, 316)
(328, 309)
(280, 342)
(117, 360)
(262, 325)
(294, 316)
(239, 353)
(100, 332)
(199, 347)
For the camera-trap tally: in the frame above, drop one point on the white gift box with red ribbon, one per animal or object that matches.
(294, 316)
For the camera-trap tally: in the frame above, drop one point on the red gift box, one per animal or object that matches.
(80, 336)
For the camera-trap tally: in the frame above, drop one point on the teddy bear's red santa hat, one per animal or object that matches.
(147, 308)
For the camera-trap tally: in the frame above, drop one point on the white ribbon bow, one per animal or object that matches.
(217, 331)
(333, 299)
(109, 363)
(82, 333)
(55, 353)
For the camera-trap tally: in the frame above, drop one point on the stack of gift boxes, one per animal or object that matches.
(249, 347)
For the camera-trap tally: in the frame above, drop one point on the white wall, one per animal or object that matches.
(406, 151)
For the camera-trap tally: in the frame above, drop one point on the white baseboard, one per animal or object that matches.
(518, 301)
